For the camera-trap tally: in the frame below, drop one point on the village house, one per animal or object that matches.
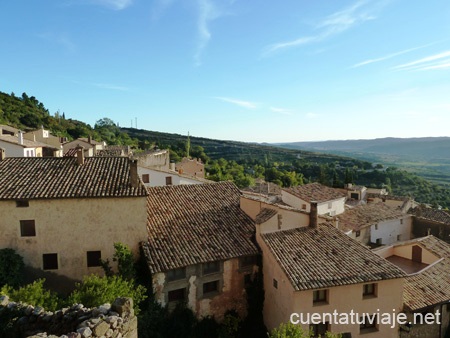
(43, 136)
(91, 147)
(200, 249)
(426, 261)
(330, 201)
(376, 224)
(8, 130)
(401, 202)
(429, 221)
(18, 146)
(191, 167)
(317, 269)
(63, 215)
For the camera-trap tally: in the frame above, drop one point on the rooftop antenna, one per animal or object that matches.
(188, 145)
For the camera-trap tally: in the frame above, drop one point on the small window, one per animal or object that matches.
(401, 221)
(169, 180)
(275, 283)
(27, 228)
(320, 296)
(146, 178)
(211, 287)
(176, 274)
(399, 237)
(318, 330)
(211, 267)
(303, 206)
(50, 261)
(178, 295)
(247, 279)
(358, 233)
(368, 324)
(247, 261)
(379, 241)
(22, 204)
(369, 290)
(94, 258)
(376, 226)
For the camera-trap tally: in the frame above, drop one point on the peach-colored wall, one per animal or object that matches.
(71, 227)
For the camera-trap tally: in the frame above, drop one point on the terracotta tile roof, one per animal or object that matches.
(441, 216)
(264, 215)
(324, 257)
(387, 197)
(62, 177)
(26, 143)
(265, 188)
(315, 192)
(366, 215)
(192, 224)
(432, 285)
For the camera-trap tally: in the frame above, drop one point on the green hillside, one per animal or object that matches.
(231, 160)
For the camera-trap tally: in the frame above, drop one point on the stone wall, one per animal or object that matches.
(116, 320)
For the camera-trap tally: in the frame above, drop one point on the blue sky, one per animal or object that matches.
(260, 71)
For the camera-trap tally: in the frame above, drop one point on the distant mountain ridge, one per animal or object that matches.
(423, 148)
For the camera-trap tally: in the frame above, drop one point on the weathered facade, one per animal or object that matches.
(64, 214)
(200, 249)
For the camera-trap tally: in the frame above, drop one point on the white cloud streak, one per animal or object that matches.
(117, 5)
(207, 12)
(281, 111)
(387, 57)
(334, 24)
(240, 103)
(436, 61)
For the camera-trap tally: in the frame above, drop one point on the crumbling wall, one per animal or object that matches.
(116, 320)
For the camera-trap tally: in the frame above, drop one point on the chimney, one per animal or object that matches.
(80, 154)
(172, 166)
(20, 136)
(313, 215)
(134, 174)
(336, 222)
(89, 139)
(2, 154)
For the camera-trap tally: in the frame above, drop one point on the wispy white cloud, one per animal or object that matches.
(281, 111)
(159, 8)
(240, 103)
(387, 57)
(207, 12)
(114, 4)
(334, 24)
(111, 87)
(436, 61)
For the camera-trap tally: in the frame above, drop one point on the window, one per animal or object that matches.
(376, 226)
(27, 228)
(379, 241)
(401, 221)
(211, 287)
(303, 206)
(146, 178)
(320, 297)
(368, 324)
(22, 203)
(176, 274)
(247, 261)
(369, 290)
(358, 233)
(169, 180)
(50, 261)
(275, 283)
(94, 258)
(318, 330)
(178, 295)
(211, 267)
(247, 279)
(399, 237)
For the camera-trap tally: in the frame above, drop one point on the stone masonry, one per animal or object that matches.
(116, 320)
